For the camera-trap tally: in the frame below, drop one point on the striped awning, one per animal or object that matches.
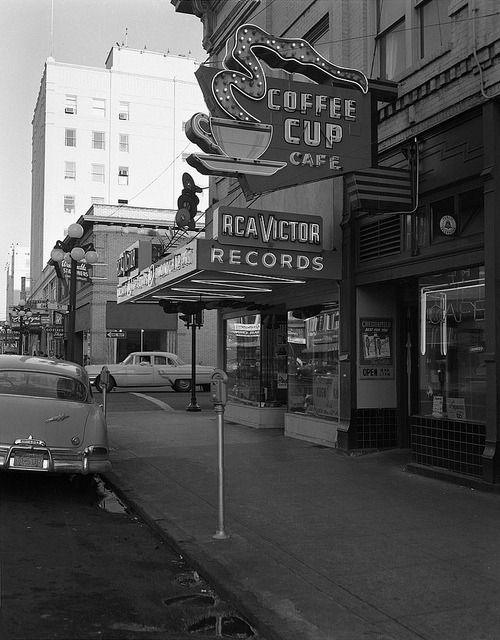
(381, 189)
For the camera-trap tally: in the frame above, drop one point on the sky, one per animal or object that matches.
(81, 32)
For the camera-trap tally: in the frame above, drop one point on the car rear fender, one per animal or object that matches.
(57, 423)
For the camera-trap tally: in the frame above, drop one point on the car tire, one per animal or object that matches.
(182, 385)
(99, 386)
(206, 387)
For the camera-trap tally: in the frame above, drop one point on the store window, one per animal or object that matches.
(313, 339)
(256, 360)
(452, 345)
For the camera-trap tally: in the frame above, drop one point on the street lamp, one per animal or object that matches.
(24, 314)
(73, 253)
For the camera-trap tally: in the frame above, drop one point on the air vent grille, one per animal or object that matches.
(380, 238)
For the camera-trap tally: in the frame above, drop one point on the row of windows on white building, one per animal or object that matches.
(98, 140)
(98, 107)
(70, 202)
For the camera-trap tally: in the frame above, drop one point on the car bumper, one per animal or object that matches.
(45, 460)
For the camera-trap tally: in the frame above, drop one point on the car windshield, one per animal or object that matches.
(42, 385)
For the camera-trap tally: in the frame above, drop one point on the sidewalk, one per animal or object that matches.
(322, 545)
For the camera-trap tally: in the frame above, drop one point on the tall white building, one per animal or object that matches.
(112, 136)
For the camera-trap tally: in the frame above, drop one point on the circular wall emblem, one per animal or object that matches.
(448, 225)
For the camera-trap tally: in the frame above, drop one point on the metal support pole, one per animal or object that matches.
(104, 398)
(20, 343)
(193, 405)
(220, 534)
(72, 312)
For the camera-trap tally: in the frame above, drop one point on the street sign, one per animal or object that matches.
(116, 334)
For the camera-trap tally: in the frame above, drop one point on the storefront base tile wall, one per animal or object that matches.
(377, 428)
(256, 417)
(312, 429)
(456, 446)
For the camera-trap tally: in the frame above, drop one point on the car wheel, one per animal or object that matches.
(206, 387)
(99, 386)
(182, 385)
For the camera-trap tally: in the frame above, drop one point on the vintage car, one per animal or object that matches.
(50, 422)
(151, 369)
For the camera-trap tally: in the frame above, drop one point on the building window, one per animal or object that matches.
(123, 112)
(70, 137)
(124, 142)
(98, 140)
(256, 360)
(98, 173)
(391, 38)
(70, 170)
(69, 204)
(435, 26)
(99, 107)
(123, 175)
(97, 200)
(312, 352)
(70, 105)
(319, 37)
(452, 367)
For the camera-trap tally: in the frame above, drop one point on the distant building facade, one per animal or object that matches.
(104, 332)
(18, 276)
(107, 136)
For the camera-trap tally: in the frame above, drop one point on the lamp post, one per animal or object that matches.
(73, 253)
(24, 314)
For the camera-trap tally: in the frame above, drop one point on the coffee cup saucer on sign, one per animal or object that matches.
(234, 146)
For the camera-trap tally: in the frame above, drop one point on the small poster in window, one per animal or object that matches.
(455, 408)
(282, 380)
(437, 406)
(376, 349)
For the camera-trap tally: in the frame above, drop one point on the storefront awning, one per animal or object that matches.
(213, 273)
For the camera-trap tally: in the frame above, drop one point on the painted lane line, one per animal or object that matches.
(163, 405)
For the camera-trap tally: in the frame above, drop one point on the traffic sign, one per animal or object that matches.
(116, 334)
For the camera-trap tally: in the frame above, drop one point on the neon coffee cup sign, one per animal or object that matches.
(273, 133)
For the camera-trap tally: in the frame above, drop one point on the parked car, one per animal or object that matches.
(151, 369)
(50, 422)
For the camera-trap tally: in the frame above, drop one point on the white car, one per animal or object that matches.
(50, 421)
(151, 369)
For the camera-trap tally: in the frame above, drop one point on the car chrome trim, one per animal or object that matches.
(30, 441)
(59, 418)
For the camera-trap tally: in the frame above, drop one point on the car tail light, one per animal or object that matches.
(97, 451)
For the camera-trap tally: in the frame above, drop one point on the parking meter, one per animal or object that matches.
(218, 387)
(104, 378)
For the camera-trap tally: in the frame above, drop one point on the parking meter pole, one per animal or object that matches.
(104, 399)
(220, 534)
(218, 389)
(104, 377)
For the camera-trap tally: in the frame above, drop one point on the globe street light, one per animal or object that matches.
(73, 253)
(24, 314)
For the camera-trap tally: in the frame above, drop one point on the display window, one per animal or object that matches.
(452, 371)
(256, 360)
(313, 381)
